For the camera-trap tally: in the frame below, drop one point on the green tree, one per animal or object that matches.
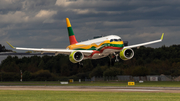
(26, 76)
(112, 72)
(140, 71)
(3, 49)
(98, 71)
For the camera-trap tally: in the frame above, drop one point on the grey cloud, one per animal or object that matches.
(41, 23)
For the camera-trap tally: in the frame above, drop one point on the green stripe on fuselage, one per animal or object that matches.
(92, 48)
(70, 31)
(102, 46)
(111, 45)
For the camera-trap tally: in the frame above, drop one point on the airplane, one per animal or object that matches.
(92, 49)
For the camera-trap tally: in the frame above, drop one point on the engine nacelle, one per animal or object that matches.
(126, 54)
(76, 56)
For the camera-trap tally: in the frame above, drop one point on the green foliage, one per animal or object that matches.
(26, 76)
(98, 71)
(147, 61)
(42, 75)
(10, 76)
(112, 72)
(140, 71)
(3, 49)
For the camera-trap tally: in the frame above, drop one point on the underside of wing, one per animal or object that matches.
(56, 51)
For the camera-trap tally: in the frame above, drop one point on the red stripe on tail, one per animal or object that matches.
(72, 40)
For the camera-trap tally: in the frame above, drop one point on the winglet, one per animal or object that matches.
(10, 44)
(162, 36)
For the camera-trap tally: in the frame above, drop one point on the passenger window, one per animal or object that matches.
(119, 40)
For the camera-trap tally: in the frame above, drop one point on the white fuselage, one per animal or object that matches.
(98, 41)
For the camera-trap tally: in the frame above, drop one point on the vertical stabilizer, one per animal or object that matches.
(72, 38)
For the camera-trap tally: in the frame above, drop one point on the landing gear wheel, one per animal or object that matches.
(81, 64)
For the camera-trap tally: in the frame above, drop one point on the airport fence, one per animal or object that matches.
(104, 78)
(136, 78)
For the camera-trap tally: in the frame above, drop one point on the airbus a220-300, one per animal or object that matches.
(92, 49)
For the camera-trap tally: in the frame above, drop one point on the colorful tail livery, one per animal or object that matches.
(72, 38)
(93, 49)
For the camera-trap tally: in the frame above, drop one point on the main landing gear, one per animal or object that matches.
(116, 55)
(80, 64)
(111, 56)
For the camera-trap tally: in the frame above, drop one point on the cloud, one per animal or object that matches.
(63, 3)
(14, 17)
(36, 22)
(45, 13)
(7, 4)
(22, 17)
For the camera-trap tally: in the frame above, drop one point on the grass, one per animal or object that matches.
(23, 95)
(137, 84)
(110, 83)
(9, 95)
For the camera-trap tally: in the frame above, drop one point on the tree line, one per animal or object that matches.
(3, 49)
(146, 61)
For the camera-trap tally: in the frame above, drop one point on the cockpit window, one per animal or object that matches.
(115, 40)
(111, 40)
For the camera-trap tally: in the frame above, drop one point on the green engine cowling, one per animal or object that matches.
(126, 54)
(76, 57)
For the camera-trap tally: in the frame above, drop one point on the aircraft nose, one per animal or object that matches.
(121, 42)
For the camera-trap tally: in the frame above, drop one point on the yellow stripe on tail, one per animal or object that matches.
(68, 22)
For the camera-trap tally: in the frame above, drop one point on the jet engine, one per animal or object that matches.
(126, 54)
(76, 56)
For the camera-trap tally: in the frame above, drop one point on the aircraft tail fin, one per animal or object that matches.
(72, 38)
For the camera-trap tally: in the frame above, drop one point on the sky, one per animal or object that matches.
(42, 23)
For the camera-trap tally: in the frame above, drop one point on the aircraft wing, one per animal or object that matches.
(56, 51)
(147, 43)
